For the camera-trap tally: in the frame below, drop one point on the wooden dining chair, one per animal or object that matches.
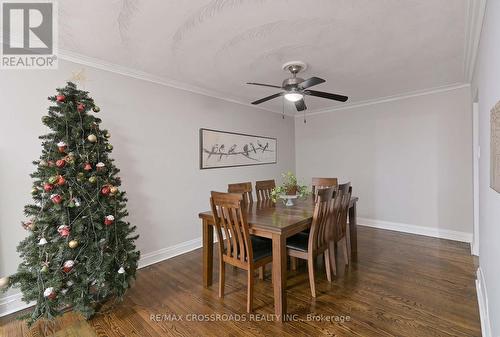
(339, 216)
(308, 246)
(237, 247)
(263, 189)
(319, 183)
(245, 189)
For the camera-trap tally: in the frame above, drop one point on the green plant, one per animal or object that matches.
(290, 186)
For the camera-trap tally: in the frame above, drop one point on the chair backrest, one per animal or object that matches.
(263, 189)
(340, 212)
(319, 183)
(245, 189)
(320, 234)
(230, 219)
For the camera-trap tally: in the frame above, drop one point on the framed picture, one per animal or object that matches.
(495, 148)
(229, 149)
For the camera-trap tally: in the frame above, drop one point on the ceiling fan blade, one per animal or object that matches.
(310, 82)
(300, 105)
(267, 98)
(264, 85)
(326, 95)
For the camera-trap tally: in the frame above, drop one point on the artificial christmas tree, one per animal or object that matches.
(80, 249)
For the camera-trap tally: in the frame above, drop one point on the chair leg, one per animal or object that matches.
(328, 270)
(310, 265)
(250, 291)
(333, 258)
(293, 263)
(261, 272)
(222, 274)
(346, 252)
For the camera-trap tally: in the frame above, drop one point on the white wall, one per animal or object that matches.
(487, 82)
(155, 133)
(409, 160)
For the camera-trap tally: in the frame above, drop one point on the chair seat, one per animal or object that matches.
(298, 241)
(262, 247)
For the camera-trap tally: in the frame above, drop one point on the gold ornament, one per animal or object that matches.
(113, 190)
(108, 135)
(110, 147)
(44, 269)
(96, 109)
(34, 190)
(73, 244)
(92, 179)
(92, 138)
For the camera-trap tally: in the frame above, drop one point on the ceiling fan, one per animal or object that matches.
(295, 87)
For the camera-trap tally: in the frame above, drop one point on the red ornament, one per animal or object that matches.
(105, 190)
(61, 163)
(61, 181)
(48, 187)
(49, 293)
(68, 266)
(56, 198)
(60, 98)
(63, 230)
(108, 220)
(61, 147)
(87, 167)
(80, 107)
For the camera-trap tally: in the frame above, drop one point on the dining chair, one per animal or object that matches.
(245, 189)
(319, 183)
(263, 189)
(307, 246)
(339, 215)
(237, 247)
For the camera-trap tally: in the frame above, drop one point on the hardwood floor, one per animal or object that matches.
(402, 285)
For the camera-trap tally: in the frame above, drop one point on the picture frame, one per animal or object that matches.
(223, 149)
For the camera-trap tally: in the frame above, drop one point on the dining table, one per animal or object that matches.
(277, 222)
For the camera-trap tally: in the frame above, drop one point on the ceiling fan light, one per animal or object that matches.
(293, 96)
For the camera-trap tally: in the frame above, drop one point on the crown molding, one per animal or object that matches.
(386, 99)
(473, 26)
(141, 75)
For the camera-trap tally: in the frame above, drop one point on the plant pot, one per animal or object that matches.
(291, 190)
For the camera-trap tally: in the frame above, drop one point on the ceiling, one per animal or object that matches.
(366, 49)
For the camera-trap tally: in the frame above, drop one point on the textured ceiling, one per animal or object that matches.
(365, 49)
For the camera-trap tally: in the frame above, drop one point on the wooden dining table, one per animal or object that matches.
(276, 222)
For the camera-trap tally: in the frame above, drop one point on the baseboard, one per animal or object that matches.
(13, 303)
(482, 300)
(420, 230)
(169, 252)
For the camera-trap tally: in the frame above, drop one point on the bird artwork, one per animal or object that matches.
(235, 150)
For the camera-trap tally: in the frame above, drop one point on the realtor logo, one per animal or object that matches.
(29, 35)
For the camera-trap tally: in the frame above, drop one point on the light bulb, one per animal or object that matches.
(293, 96)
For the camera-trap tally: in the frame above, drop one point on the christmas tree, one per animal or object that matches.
(80, 249)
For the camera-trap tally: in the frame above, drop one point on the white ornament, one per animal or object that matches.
(110, 218)
(69, 283)
(4, 281)
(100, 165)
(121, 270)
(48, 292)
(64, 291)
(61, 144)
(77, 202)
(42, 242)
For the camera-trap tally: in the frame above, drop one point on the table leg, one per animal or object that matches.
(208, 253)
(279, 275)
(353, 231)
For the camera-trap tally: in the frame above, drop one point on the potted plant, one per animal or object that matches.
(290, 187)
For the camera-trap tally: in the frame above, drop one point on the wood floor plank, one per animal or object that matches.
(400, 285)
